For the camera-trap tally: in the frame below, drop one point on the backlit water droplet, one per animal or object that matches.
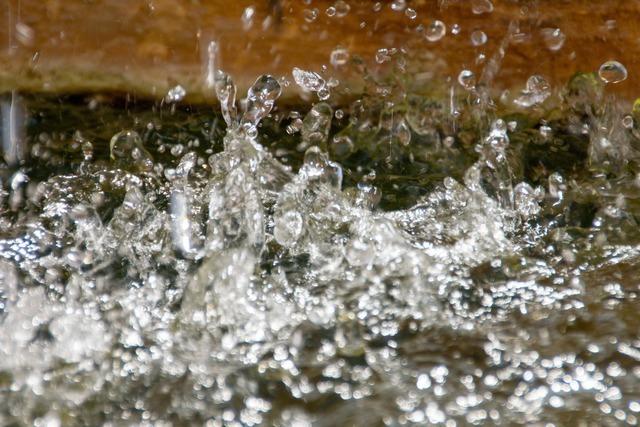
(536, 92)
(308, 80)
(175, 94)
(410, 13)
(467, 79)
(478, 38)
(339, 57)
(260, 99)
(553, 38)
(435, 31)
(226, 93)
(481, 6)
(612, 72)
(398, 5)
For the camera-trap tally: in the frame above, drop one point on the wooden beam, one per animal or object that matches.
(148, 46)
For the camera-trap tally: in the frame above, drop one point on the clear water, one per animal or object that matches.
(392, 263)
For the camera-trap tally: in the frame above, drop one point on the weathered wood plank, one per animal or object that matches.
(148, 46)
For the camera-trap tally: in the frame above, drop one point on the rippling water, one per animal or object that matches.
(384, 264)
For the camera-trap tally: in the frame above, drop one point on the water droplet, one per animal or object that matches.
(342, 8)
(478, 38)
(226, 93)
(627, 122)
(247, 17)
(368, 196)
(525, 200)
(557, 186)
(403, 133)
(398, 5)
(612, 72)
(288, 228)
(339, 57)
(260, 99)
(318, 167)
(455, 29)
(324, 93)
(308, 80)
(553, 38)
(310, 15)
(175, 94)
(411, 13)
(479, 7)
(342, 145)
(128, 151)
(383, 55)
(536, 92)
(316, 124)
(467, 79)
(435, 31)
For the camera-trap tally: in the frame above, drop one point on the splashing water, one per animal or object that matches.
(406, 261)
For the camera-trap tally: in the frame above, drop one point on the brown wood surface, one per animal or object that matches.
(148, 46)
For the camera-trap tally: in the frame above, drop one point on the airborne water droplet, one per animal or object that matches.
(175, 94)
(226, 93)
(260, 99)
(467, 79)
(553, 38)
(536, 92)
(436, 31)
(339, 57)
(481, 6)
(316, 124)
(288, 228)
(612, 72)
(128, 151)
(398, 5)
(478, 38)
(308, 80)
(342, 8)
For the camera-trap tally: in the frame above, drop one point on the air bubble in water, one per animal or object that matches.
(455, 29)
(553, 38)
(435, 31)
(627, 122)
(467, 79)
(479, 7)
(478, 38)
(612, 72)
